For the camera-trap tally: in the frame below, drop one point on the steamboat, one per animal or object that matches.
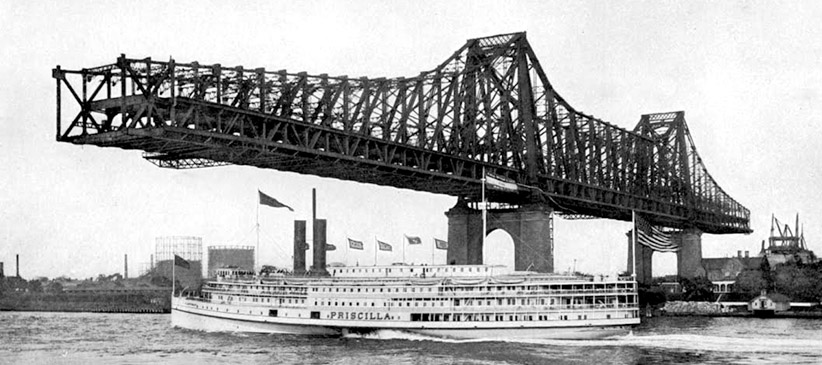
(448, 301)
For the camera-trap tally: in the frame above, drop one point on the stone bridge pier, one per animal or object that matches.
(688, 258)
(531, 228)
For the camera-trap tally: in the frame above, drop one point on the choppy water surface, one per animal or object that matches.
(29, 337)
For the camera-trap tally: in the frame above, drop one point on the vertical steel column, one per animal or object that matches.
(58, 75)
(526, 105)
(172, 71)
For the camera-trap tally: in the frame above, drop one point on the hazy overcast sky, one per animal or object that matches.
(747, 74)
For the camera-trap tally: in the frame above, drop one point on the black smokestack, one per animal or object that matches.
(299, 247)
(125, 268)
(319, 247)
(1, 270)
(18, 265)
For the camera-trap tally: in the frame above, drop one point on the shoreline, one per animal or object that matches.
(810, 315)
(144, 311)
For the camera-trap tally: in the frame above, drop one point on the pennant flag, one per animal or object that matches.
(181, 262)
(383, 246)
(442, 245)
(357, 245)
(653, 237)
(500, 183)
(413, 240)
(330, 247)
(271, 202)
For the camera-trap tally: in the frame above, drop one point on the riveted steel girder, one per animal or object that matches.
(489, 107)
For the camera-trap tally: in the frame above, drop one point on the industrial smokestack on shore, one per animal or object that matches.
(18, 265)
(125, 268)
(1, 270)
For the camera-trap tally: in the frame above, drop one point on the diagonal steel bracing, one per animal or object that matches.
(488, 106)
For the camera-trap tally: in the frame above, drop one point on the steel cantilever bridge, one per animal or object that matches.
(489, 106)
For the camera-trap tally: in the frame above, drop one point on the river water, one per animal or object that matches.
(81, 338)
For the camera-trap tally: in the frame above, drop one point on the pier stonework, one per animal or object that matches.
(530, 227)
(689, 256)
(644, 266)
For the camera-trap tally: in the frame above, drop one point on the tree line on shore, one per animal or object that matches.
(798, 281)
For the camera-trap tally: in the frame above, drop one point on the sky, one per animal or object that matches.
(746, 73)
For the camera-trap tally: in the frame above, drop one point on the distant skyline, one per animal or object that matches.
(746, 73)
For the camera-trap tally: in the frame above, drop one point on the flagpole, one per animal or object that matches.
(633, 245)
(433, 247)
(257, 250)
(484, 209)
(376, 248)
(403, 249)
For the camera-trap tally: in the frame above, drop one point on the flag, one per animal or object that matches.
(653, 237)
(500, 183)
(442, 245)
(330, 247)
(357, 245)
(181, 262)
(271, 202)
(413, 240)
(383, 246)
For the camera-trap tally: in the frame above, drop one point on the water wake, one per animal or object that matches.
(676, 342)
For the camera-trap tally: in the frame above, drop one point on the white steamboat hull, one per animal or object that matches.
(212, 321)
(215, 323)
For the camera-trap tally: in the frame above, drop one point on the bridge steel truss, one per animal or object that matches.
(488, 107)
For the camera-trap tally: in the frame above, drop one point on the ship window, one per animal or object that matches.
(315, 315)
(380, 290)
(358, 290)
(272, 312)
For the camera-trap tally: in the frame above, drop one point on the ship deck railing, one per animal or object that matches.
(378, 280)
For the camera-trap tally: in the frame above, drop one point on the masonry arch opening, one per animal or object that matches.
(499, 249)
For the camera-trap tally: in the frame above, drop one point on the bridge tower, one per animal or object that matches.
(688, 258)
(530, 226)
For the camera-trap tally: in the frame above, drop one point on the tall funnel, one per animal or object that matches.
(299, 247)
(318, 268)
(18, 265)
